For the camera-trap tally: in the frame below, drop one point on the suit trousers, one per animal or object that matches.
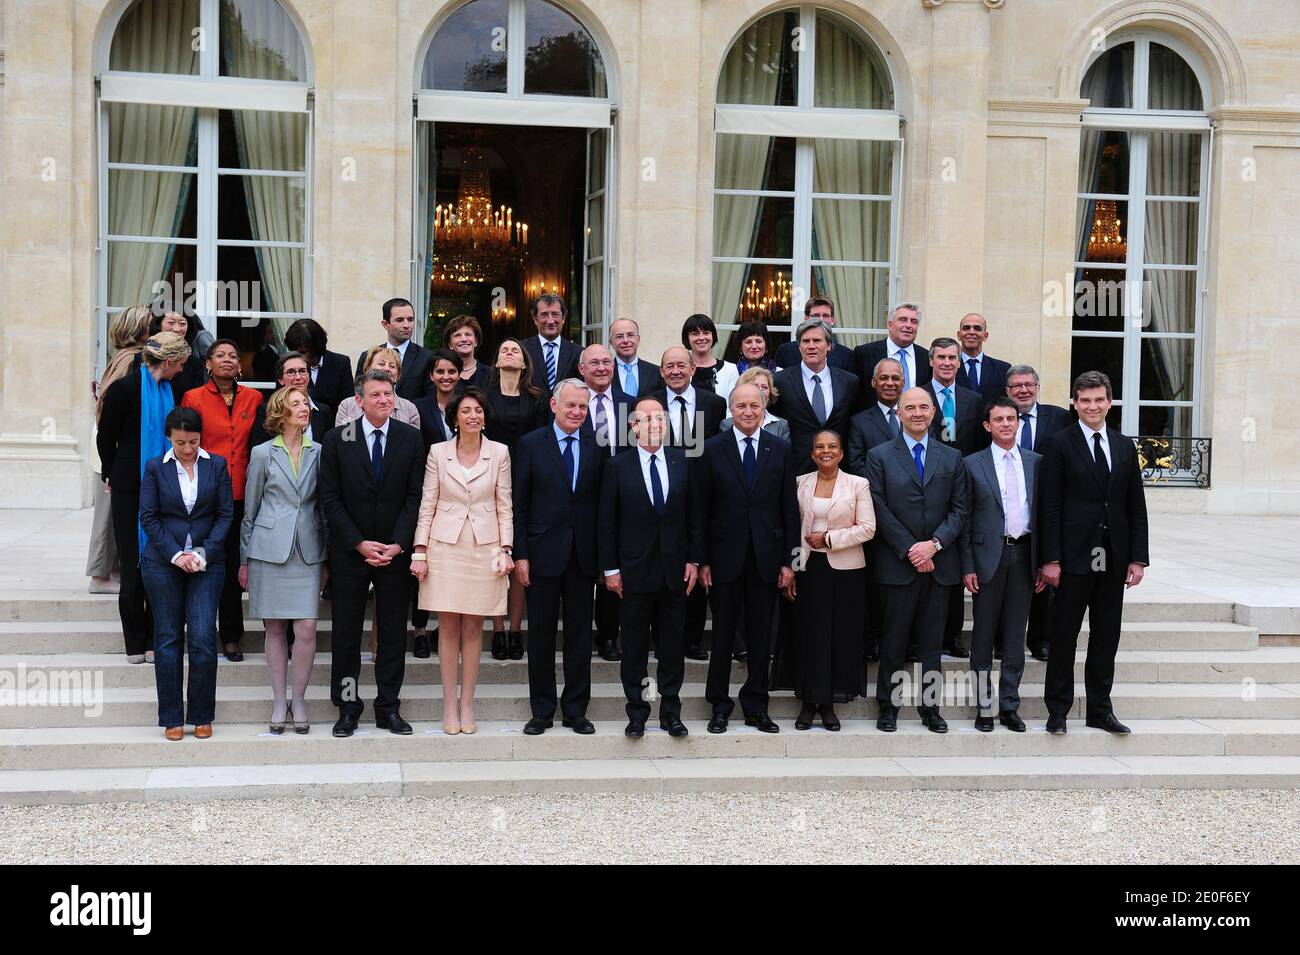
(137, 620)
(1001, 609)
(231, 614)
(544, 596)
(348, 612)
(874, 619)
(101, 558)
(1040, 618)
(1102, 596)
(663, 612)
(697, 610)
(607, 613)
(913, 611)
(757, 598)
(956, 617)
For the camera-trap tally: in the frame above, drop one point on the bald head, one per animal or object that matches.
(747, 409)
(972, 332)
(677, 366)
(916, 410)
(596, 367)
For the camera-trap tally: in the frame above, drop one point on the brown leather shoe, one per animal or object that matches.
(174, 733)
(203, 731)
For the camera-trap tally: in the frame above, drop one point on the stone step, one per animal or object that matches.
(137, 706)
(104, 747)
(105, 636)
(720, 774)
(1265, 665)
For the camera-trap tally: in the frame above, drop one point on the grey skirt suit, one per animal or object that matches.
(283, 537)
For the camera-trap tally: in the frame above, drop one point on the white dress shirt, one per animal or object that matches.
(1105, 442)
(1021, 504)
(675, 412)
(824, 377)
(189, 492)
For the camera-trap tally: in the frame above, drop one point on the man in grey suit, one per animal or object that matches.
(998, 560)
(921, 498)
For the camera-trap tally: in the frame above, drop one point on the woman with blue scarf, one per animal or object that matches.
(130, 433)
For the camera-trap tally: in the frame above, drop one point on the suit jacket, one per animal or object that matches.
(867, 429)
(1050, 420)
(795, 408)
(982, 539)
(433, 423)
(227, 433)
(648, 379)
(967, 434)
(908, 511)
(281, 508)
(414, 381)
(651, 552)
(737, 517)
(709, 411)
(322, 422)
(165, 521)
(866, 356)
(566, 362)
(334, 382)
(1078, 514)
(851, 521)
(118, 437)
(841, 356)
(357, 507)
(993, 376)
(451, 498)
(556, 520)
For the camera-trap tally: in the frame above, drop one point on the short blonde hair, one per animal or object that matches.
(165, 346)
(277, 408)
(129, 327)
(758, 371)
(390, 353)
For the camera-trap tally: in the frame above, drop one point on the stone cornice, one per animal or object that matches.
(1263, 119)
(1035, 111)
(990, 4)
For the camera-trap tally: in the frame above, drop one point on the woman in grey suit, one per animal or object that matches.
(283, 547)
(761, 378)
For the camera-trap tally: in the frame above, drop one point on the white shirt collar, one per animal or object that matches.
(999, 452)
(369, 429)
(688, 394)
(885, 409)
(976, 358)
(1032, 412)
(938, 386)
(1089, 432)
(607, 393)
(660, 456)
(171, 455)
(912, 442)
(892, 348)
(823, 376)
(740, 437)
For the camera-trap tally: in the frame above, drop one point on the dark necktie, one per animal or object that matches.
(750, 461)
(1027, 431)
(973, 374)
(818, 400)
(377, 453)
(569, 463)
(894, 429)
(681, 420)
(656, 487)
(601, 421)
(551, 363)
(918, 450)
(1099, 457)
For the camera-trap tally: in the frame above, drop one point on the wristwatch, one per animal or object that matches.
(938, 544)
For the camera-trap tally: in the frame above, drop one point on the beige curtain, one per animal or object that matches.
(152, 38)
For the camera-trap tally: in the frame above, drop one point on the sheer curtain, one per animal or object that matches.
(260, 41)
(152, 38)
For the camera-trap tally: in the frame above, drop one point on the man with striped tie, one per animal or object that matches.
(553, 355)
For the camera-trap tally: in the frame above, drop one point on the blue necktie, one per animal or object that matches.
(377, 453)
(656, 488)
(750, 460)
(973, 374)
(949, 408)
(918, 450)
(550, 363)
(571, 464)
(901, 358)
(629, 379)
(1027, 432)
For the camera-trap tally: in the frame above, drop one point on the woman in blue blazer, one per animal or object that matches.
(186, 509)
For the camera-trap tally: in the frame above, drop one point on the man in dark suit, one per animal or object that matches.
(921, 500)
(634, 377)
(332, 381)
(291, 371)
(999, 561)
(694, 416)
(904, 321)
(1038, 422)
(398, 320)
(557, 478)
(840, 356)
(744, 483)
(371, 474)
(650, 553)
(1094, 545)
(553, 356)
(979, 372)
(812, 395)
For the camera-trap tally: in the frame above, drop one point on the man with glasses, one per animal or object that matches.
(292, 371)
(634, 377)
(979, 372)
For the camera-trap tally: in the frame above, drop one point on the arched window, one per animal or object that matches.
(1143, 174)
(806, 175)
(204, 182)
(523, 129)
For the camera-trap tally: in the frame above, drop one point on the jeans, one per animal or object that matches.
(184, 611)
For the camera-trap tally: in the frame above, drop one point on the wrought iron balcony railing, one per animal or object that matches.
(1174, 462)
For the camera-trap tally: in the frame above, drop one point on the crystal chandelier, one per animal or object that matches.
(472, 241)
(1106, 242)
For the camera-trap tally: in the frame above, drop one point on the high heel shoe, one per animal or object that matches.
(804, 720)
(470, 728)
(829, 719)
(451, 727)
(277, 726)
(300, 726)
(516, 640)
(499, 647)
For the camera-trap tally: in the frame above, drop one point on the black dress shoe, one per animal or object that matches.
(912, 657)
(1012, 721)
(718, 724)
(609, 651)
(1039, 653)
(804, 720)
(829, 720)
(433, 640)
(635, 729)
(873, 655)
(933, 721)
(536, 727)
(234, 656)
(674, 725)
(500, 650)
(763, 723)
(580, 725)
(327, 592)
(694, 652)
(958, 651)
(515, 640)
(1109, 724)
(1056, 725)
(740, 656)
(421, 649)
(887, 720)
(346, 725)
(997, 653)
(394, 723)
(984, 724)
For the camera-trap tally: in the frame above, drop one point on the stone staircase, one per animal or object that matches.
(1209, 707)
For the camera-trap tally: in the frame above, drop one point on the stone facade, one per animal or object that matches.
(988, 90)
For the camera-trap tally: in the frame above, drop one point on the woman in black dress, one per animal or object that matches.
(516, 405)
(700, 337)
(464, 336)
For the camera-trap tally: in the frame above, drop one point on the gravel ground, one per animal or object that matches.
(1125, 826)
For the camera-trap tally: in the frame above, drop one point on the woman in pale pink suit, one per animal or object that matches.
(463, 541)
